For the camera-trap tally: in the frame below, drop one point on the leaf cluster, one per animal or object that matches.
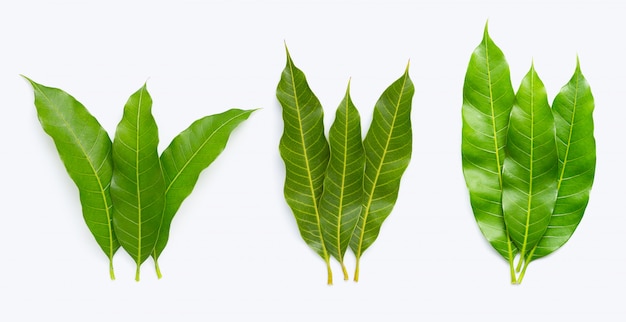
(341, 189)
(528, 166)
(129, 194)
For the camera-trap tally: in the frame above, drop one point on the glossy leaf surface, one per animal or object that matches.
(192, 151)
(138, 187)
(488, 98)
(304, 149)
(342, 198)
(572, 110)
(387, 147)
(85, 149)
(530, 168)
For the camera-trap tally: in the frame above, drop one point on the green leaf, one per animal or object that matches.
(572, 110)
(138, 188)
(488, 98)
(387, 148)
(192, 151)
(85, 149)
(530, 168)
(342, 198)
(304, 149)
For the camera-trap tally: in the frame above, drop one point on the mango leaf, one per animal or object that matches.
(304, 149)
(572, 110)
(342, 198)
(85, 149)
(529, 183)
(137, 187)
(190, 152)
(488, 98)
(387, 147)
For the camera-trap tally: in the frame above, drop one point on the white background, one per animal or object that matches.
(234, 252)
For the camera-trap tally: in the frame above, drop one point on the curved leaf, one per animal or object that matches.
(304, 150)
(387, 147)
(137, 188)
(85, 149)
(530, 168)
(488, 98)
(572, 110)
(342, 198)
(190, 152)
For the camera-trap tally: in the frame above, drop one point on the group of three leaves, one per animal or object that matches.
(528, 167)
(342, 189)
(129, 195)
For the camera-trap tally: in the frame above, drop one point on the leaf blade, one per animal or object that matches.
(341, 200)
(305, 152)
(387, 147)
(137, 186)
(530, 168)
(572, 109)
(488, 98)
(189, 153)
(85, 149)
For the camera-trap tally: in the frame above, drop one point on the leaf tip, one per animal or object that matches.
(287, 51)
(32, 83)
(408, 64)
(250, 111)
(486, 30)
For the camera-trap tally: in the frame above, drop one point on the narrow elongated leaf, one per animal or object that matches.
(387, 147)
(304, 149)
(488, 98)
(572, 110)
(138, 188)
(530, 168)
(85, 149)
(342, 198)
(192, 151)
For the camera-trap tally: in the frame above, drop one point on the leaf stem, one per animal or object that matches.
(512, 269)
(345, 272)
(519, 263)
(158, 270)
(330, 272)
(511, 257)
(137, 273)
(111, 272)
(526, 262)
(356, 270)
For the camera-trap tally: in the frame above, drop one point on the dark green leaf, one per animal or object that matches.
(192, 151)
(387, 148)
(488, 98)
(572, 110)
(85, 149)
(138, 188)
(530, 168)
(304, 149)
(342, 198)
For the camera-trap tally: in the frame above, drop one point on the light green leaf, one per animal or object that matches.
(387, 148)
(304, 149)
(192, 151)
(342, 198)
(138, 188)
(85, 149)
(488, 98)
(530, 168)
(572, 110)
